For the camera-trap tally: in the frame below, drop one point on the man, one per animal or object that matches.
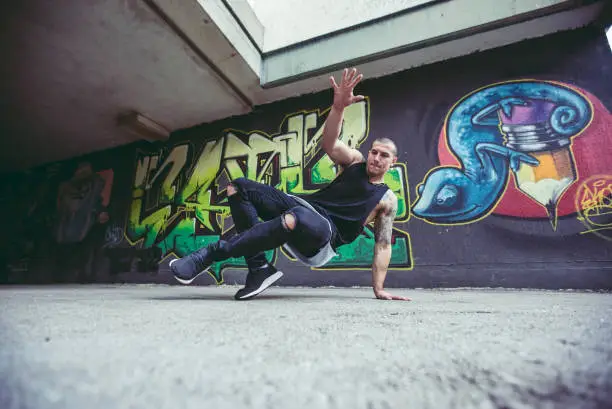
(310, 227)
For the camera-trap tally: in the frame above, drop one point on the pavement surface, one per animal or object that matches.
(156, 346)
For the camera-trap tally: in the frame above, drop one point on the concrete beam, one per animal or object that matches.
(247, 19)
(400, 33)
(230, 36)
(209, 29)
(440, 52)
(227, 27)
(291, 22)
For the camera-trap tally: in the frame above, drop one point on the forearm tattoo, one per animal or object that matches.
(383, 225)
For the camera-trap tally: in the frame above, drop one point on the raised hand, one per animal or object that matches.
(343, 93)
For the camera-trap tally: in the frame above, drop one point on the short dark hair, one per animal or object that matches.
(386, 141)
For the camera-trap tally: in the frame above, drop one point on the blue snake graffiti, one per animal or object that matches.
(489, 136)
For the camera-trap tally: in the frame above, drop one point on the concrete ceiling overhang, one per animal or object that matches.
(74, 66)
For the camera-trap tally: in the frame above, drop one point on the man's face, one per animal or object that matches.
(380, 159)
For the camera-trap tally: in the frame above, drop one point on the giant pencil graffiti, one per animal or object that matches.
(522, 149)
(179, 200)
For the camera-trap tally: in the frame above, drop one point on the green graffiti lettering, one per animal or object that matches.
(141, 226)
(197, 194)
(397, 181)
(360, 253)
(323, 172)
(181, 206)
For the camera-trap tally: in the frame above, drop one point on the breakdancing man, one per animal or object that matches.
(310, 227)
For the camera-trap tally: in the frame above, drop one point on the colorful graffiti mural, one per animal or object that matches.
(513, 189)
(179, 196)
(81, 221)
(57, 213)
(518, 148)
(81, 201)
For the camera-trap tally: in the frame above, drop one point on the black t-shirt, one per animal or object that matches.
(348, 200)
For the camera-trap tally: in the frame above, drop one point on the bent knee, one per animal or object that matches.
(294, 216)
(289, 221)
(231, 190)
(235, 185)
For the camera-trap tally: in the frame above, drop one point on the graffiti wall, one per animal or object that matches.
(503, 178)
(179, 201)
(55, 213)
(62, 223)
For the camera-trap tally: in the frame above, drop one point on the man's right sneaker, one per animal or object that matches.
(257, 281)
(188, 268)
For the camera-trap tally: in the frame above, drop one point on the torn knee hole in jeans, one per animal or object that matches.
(289, 221)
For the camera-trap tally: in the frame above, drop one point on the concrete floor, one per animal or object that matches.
(152, 346)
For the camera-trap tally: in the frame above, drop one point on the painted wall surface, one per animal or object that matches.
(504, 178)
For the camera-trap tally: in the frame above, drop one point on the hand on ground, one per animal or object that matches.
(383, 295)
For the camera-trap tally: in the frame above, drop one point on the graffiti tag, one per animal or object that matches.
(594, 205)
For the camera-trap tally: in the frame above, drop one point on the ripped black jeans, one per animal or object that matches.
(254, 201)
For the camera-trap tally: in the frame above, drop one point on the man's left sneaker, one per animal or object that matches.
(257, 281)
(188, 268)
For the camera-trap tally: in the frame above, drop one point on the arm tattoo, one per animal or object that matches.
(383, 225)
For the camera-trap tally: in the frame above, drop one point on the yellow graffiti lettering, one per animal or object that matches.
(203, 173)
(197, 195)
(288, 149)
(150, 226)
(143, 168)
(194, 196)
(354, 130)
(176, 160)
(248, 155)
(147, 227)
(285, 160)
